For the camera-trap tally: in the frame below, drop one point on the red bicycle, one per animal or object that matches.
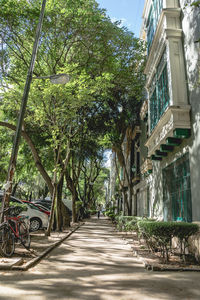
(13, 229)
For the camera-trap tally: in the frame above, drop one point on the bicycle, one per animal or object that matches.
(13, 229)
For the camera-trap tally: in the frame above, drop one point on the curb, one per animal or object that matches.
(143, 261)
(160, 269)
(9, 265)
(37, 259)
(151, 267)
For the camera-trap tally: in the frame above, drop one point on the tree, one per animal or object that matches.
(104, 64)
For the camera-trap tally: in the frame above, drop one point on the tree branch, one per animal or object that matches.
(35, 155)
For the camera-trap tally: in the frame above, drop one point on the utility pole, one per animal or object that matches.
(13, 159)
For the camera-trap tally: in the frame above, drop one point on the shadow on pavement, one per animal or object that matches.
(95, 264)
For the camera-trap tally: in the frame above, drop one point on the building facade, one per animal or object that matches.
(168, 187)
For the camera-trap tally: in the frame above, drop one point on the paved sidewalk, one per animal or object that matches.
(96, 264)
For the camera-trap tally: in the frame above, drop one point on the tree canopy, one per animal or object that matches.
(69, 122)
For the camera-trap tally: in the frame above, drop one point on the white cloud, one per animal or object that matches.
(124, 22)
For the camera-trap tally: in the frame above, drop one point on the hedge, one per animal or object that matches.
(111, 213)
(159, 235)
(129, 223)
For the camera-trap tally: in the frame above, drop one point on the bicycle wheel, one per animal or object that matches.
(24, 235)
(7, 241)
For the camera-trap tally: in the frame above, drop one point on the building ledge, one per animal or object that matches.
(174, 121)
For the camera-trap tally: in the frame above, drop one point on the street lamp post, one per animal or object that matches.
(13, 159)
(61, 78)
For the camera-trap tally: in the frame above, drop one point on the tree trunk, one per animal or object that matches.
(74, 214)
(48, 232)
(71, 186)
(124, 197)
(36, 157)
(59, 221)
(135, 205)
(30, 196)
(14, 189)
(127, 200)
(130, 194)
(65, 215)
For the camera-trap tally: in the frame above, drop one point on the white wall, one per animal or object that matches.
(191, 30)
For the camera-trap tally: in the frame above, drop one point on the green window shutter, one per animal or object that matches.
(152, 21)
(176, 188)
(159, 90)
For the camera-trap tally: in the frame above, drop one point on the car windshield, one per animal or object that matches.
(42, 207)
(45, 204)
(32, 206)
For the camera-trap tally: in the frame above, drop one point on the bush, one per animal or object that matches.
(128, 223)
(92, 211)
(16, 208)
(111, 213)
(183, 231)
(159, 235)
(131, 225)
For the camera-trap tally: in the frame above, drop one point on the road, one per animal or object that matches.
(96, 264)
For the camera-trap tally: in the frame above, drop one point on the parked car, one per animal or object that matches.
(45, 203)
(37, 218)
(38, 206)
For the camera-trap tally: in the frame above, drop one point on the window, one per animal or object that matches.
(152, 21)
(148, 202)
(159, 92)
(177, 191)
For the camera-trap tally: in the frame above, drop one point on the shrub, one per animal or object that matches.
(128, 223)
(92, 211)
(111, 213)
(159, 235)
(131, 225)
(16, 208)
(183, 231)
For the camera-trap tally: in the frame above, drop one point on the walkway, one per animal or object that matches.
(96, 264)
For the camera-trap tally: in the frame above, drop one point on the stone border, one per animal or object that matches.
(13, 262)
(154, 267)
(36, 260)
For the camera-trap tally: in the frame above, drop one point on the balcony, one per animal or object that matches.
(172, 128)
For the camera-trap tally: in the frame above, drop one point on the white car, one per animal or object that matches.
(37, 218)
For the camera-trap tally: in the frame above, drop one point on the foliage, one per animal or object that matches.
(92, 211)
(196, 3)
(5, 151)
(110, 213)
(66, 123)
(129, 223)
(16, 208)
(158, 235)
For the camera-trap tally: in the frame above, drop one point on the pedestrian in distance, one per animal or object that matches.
(99, 212)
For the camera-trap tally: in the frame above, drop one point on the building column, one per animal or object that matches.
(176, 66)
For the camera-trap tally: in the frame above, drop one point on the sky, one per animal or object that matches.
(128, 11)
